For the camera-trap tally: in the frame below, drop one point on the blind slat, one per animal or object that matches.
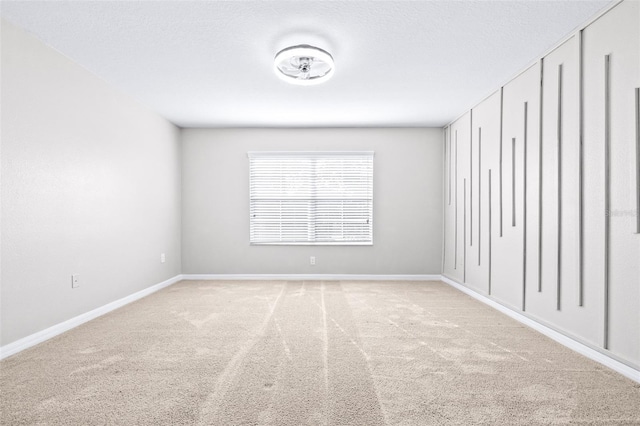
(311, 197)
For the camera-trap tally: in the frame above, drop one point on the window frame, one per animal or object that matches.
(308, 155)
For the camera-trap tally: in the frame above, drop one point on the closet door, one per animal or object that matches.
(449, 221)
(460, 143)
(611, 239)
(485, 139)
(553, 292)
(516, 154)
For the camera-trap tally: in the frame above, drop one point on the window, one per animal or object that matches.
(323, 198)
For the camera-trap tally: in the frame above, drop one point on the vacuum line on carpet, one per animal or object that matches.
(228, 375)
(287, 351)
(325, 352)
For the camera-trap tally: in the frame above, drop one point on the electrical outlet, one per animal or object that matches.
(162, 258)
(75, 281)
(312, 260)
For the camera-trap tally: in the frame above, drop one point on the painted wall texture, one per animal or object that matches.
(90, 186)
(407, 197)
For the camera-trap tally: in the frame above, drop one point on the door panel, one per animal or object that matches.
(485, 142)
(612, 248)
(520, 110)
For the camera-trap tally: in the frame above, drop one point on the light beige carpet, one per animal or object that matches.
(309, 353)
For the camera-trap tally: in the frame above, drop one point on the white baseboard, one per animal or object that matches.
(570, 343)
(311, 277)
(48, 333)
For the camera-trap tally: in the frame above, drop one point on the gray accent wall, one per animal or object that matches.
(90, 186)
(562, 143)
(407, 212)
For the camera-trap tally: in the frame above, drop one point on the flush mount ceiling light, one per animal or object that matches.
(304, 65)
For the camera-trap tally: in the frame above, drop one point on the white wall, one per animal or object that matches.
(90, 186)
(407, 202)
(537, 264)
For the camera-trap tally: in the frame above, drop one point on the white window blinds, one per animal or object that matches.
(311, 197)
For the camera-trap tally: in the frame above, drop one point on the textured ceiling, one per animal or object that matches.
(209, 63)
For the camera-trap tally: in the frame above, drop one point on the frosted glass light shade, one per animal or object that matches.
(304, 65)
